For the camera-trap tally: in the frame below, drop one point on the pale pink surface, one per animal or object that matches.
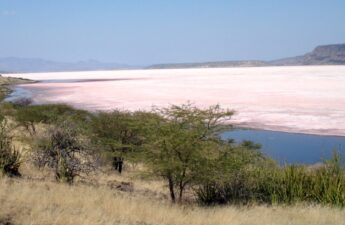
(308, 99)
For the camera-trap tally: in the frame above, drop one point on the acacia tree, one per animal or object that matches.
(118, 132)
(28, 116)
(64, 150)
(181, 140)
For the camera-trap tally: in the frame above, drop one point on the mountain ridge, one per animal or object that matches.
(215, 64)
(20, 65)
(321, 55)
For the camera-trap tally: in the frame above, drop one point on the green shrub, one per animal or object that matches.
(119, 134)
(10, 159)
(64, 150)
(328, 185)
(325, 185)
(289, 184)
(232, 177)
(29, 116)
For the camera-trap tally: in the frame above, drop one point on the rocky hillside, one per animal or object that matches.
(321, 55)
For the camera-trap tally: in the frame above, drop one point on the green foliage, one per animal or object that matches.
(10, 159)
(119, 134)
(328, 186)
(230, 178)
(180, 141)
(279, 185)
(325, 185)
(116, 131)
(29, 116)
(285, 185)
(7, 109)
(250, 145)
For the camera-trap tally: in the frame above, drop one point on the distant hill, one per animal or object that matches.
(321, 55)
(244, 63)
(20, 65)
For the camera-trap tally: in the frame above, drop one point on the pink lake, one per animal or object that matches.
(302, 99)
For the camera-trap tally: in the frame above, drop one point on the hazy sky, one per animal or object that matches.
(158, 31)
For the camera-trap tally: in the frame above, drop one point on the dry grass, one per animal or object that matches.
(45, 202)
(38, 199)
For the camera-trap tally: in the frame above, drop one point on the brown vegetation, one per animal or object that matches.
(44, 202)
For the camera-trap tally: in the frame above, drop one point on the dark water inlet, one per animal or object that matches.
(291, 147)
(18, 93)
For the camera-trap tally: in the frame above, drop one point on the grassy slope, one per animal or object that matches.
(45, 202)
(38, 199)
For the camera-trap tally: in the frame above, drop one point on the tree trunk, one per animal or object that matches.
(180, 191)
(171, 189)
(33, 128)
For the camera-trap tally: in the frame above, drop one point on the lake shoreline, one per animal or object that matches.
(320, 133)
(299, 99)
(251, 126)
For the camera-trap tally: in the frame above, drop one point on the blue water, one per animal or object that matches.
(289, 147)
(18, 93)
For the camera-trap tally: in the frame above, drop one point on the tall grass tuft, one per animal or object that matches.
(328, 186)
(289, 184)
(10, 158)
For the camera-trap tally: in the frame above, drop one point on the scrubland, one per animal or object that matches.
(43, 201)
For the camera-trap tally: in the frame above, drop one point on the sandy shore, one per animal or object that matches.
(309, 99)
